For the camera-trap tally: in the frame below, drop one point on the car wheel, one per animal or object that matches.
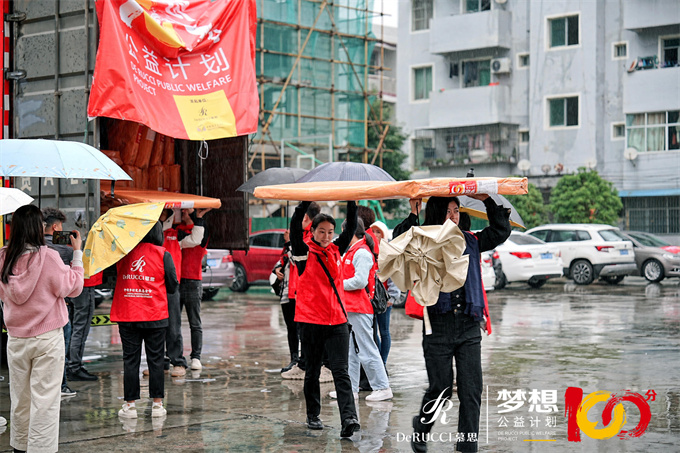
(209, 293)
(653, 271)
(501, 280)
(613, 279)
(582, 272)
(240, 283)
(537, 283)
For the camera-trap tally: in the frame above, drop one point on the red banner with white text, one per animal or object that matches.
(185, 69)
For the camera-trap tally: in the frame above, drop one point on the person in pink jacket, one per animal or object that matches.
(33, 284)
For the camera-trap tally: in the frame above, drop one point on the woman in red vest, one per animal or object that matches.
(146, 276)
(320, 311)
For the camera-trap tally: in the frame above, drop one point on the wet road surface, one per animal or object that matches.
(598, 338)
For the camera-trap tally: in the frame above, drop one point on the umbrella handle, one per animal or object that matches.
(113, 184)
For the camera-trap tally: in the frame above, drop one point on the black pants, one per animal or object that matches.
(81, 318)
(458, 335)
(288, 310)
(335, 341)
(154, 342)
(190, 293)
(174, 343)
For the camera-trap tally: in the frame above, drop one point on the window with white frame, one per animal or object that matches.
(620, 50)
(421, 13)
(422, 83)
(563, 112)
(522, 60)
(669, 51)
(475, 6)
(618, 131)
(658, 131)
(524, 137)
(564, 31)
(476, 73)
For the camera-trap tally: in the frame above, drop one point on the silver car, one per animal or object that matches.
(655, 258)
(218, 272)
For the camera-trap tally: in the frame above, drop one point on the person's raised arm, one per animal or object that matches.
(411, 220)
(499, 224)
(297, 243)
(346, 236)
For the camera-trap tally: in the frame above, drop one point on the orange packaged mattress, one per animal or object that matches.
(380, 190)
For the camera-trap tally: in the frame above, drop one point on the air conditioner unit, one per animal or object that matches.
(500, 66)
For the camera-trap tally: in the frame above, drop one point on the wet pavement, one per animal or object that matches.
(598, 338)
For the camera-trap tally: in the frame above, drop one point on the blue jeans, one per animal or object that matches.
(385, 340)
(368, 356)
(454, 334)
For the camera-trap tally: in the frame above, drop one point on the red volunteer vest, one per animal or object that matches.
(94, 280)
(357, 301)
(171, 244)
(140, 286)
(192, 259)
(316, 302)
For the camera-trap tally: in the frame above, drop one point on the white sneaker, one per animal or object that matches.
(294, 373)
(334, 395)
(178, 371)
(196, 364)
(326, 375)
(157, 410)
(380, 395)
(128, 411)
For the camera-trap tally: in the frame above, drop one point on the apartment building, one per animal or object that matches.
(542, 88)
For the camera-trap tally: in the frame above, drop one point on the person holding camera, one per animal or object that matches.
(33, 284)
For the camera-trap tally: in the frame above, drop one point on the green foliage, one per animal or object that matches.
(585, 197)
(530, 207)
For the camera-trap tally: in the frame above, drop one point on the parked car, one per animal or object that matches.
(488, 272)
(655, 258)
(524, 258)
(218, 272)
(254, 267)
(590, 251)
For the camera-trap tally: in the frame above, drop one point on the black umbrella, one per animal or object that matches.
(271, 177)
(476, 208)
(346, 171)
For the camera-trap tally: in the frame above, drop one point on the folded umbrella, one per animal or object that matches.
(116, 233)
(12, 199)
(426, 261)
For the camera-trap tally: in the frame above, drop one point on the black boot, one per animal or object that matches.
(418, 443)
(293, 361)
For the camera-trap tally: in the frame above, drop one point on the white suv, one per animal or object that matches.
(590, 251)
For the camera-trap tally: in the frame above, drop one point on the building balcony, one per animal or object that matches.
(470, 106)
(474, 31)
(651, 90)
(641, 14)
(389, 86)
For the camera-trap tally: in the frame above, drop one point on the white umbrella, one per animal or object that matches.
(56, 159)
(426, 261)
(12, 199)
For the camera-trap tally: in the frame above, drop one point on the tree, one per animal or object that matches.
(585, 197)
(392, 157)
(530, 207)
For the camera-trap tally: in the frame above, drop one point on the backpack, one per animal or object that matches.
(380, 297)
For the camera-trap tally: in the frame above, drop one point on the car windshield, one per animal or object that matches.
(649, 240)
(612, 235)
(524, 239)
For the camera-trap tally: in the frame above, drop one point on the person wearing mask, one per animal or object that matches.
(33, 284)
(455, 320)
(320, 311)
(145, 277)
(381, 232)
(194, 248)
(174, 241)
(54, 221)
(359, 272)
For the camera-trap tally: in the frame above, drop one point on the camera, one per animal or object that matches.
(62, 237)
